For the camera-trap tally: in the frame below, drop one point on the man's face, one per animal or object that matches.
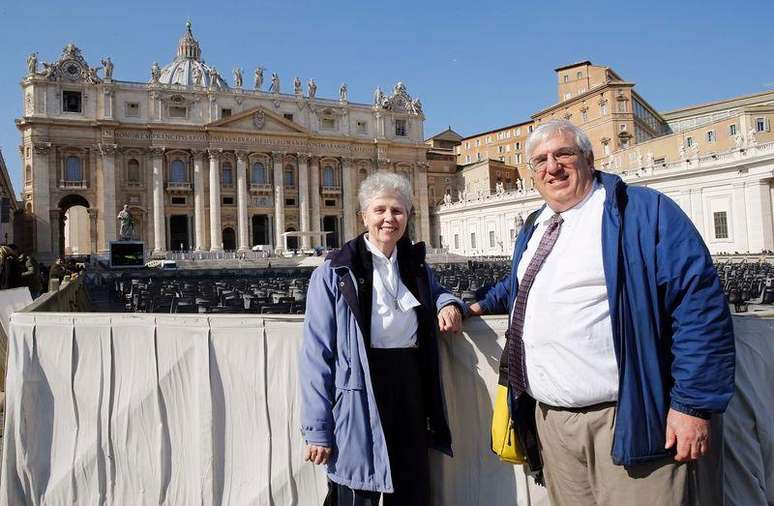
(563, 176)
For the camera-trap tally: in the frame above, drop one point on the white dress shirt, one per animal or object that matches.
(568, 339)
(391, 326)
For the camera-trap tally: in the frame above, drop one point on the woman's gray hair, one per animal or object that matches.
(556, 127)
(383, 182)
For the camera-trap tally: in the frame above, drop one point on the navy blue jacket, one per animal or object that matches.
(671, 324)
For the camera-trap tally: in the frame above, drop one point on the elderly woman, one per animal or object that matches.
(370, 384)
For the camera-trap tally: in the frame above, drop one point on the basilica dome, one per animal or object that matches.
(187, 69)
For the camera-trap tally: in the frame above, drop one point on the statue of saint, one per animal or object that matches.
(127, 224)
(214, 77)
(297, 89)
(378, 96)
(343, 93)
(751, 140)
(258, 78)
(197, 76)
(417, 106)
(155, 72)
(108, 66)
(237, 77)
(275, 83)
(32, 64)
(312, 88)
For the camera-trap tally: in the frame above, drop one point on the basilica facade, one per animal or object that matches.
(203, 164)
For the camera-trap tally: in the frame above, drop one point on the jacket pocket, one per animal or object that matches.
(353, 457)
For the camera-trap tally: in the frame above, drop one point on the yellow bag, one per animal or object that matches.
(504, 441)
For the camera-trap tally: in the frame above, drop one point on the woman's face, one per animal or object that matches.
(385, 218)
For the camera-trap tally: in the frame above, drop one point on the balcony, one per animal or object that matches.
(178, 186)
(73, 185)
(260, 188)
(335, 190)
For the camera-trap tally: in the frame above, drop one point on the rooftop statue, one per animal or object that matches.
(312, 88)
(108, 66)
(343, 93)
(32, 64)
(297, 89)
(258, 78)
(275, 83)
(237, 77)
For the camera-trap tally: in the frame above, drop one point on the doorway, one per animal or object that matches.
(178, 233)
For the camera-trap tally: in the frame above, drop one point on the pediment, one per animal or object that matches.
(258, 119)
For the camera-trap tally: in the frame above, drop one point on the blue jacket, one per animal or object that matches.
(671, 324)
(338, 408)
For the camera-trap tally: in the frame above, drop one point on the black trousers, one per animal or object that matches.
(397, 388)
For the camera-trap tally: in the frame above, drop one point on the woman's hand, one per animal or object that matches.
(317, 454)
(450, 318)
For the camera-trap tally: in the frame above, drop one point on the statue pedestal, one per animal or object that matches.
(127, 254)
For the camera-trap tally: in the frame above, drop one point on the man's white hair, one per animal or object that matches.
(557, 127)
(384, 183)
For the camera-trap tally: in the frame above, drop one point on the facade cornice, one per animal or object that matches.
(584, 96)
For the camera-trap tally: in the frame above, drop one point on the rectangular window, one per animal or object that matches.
(606, 148)
(456, 241)
(760, 124)
(400, 127)
(225, 113)
(721, 225)
(132, 109)
(478, 142)
(584, 115)
(467, 158)
(328, 123)
(178, 201)
(5, 210)
(622, 127)
(228, 201)
(566, 77)
(512, 234)
(288, 116)
(518, 132)
(290, 202)
(711, 136)
(604, 109)
(330, 202)
(491, 239)
(530, 128)
(689, 141)
(71, 101)
(362, 127)
(732, 129)
(178, 112)
(478, 156)
(518, 157)
(621, 106)
(473, 240)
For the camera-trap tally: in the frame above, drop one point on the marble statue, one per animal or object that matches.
(32, 64)
(214, 75)
(297, 88)
(417, 106)
(197, 76)
(682, 151)
(738, 141)
(343, 93)
(751, 140)
(447, 198)
(108, 66)
(258, 78)
(312, 88)
(237, 77)
(378, 96)
(275, 83)
(155, 72)
(520, 185)
(127, 224)
(460, 196)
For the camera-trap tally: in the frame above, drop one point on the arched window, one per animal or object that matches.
(290, 176)
(362, 175)
(28, 174)
(227, 174)
(133, 171)
(178, 173)
(328, 176)
(73, 169)
(258, 175)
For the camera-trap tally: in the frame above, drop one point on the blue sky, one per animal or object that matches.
(475, 65)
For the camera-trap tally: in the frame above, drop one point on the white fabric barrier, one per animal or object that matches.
(146, 409)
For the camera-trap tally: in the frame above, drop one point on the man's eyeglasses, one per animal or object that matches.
(563, 156)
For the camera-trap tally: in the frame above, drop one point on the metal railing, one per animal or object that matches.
(73, 185)
(179, 186)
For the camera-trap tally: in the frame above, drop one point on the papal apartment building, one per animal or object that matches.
(202, 163)
(715, 160)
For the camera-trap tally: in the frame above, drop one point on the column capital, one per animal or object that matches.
(278, 156)
(304, 157)
(198, 153)
(107, 149)
(347, 160)
(42, 148)
(242, 155)
(215, 153)
(156, 151)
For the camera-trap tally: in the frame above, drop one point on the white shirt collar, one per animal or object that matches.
(393, 259)
(542, 219)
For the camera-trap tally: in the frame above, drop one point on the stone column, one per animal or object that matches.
(736, 220)
(303, 197)
(216, 236)
(314, 190)
(41, 204)
(244, 243)
(279, 201)
(761, 229)
(107, 202)
(54, 218)
(92, 229)
(159, 218)
(422, 204)
(199, 219)
(347, 190)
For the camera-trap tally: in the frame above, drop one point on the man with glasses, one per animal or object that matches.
(620, 345)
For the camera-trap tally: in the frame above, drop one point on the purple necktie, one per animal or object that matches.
(517, 376)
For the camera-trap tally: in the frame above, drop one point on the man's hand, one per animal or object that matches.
(450, 318)
(475, 309)
(692, 435)
(317, 454)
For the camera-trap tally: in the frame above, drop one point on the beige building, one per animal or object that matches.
(503, 144)
(715, 160)
(442, 177)
(204, 164)
(9, 206)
